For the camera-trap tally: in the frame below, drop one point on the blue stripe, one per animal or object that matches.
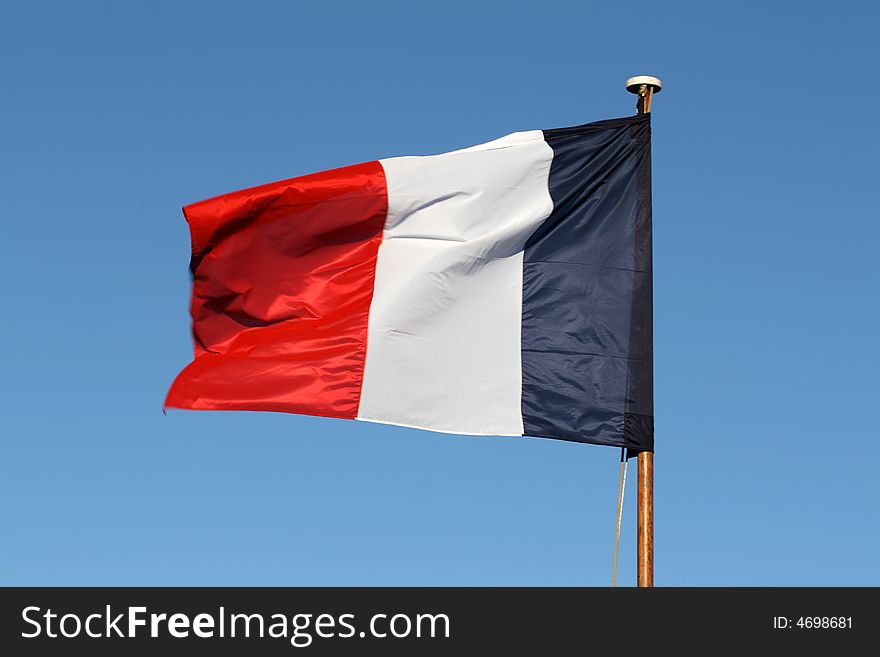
(586, 323)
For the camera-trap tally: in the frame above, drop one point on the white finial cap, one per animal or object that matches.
(635, 83)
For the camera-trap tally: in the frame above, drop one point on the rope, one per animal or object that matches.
(621, 489)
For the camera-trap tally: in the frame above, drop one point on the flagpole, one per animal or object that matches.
(645, 87)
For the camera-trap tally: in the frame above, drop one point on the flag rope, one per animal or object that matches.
(621, 490)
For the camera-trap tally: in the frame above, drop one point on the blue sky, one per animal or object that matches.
(113, 115)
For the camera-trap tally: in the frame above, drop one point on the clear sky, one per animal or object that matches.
(113, 115)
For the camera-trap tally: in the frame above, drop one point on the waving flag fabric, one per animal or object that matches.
(503, 289)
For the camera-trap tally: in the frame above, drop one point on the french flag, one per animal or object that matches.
(503, 289)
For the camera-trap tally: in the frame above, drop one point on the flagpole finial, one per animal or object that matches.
(635, 84)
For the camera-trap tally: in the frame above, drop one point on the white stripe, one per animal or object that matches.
(443, 350)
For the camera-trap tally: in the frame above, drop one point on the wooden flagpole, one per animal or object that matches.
(645, 87)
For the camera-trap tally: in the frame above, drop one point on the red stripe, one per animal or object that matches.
(283, 279)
